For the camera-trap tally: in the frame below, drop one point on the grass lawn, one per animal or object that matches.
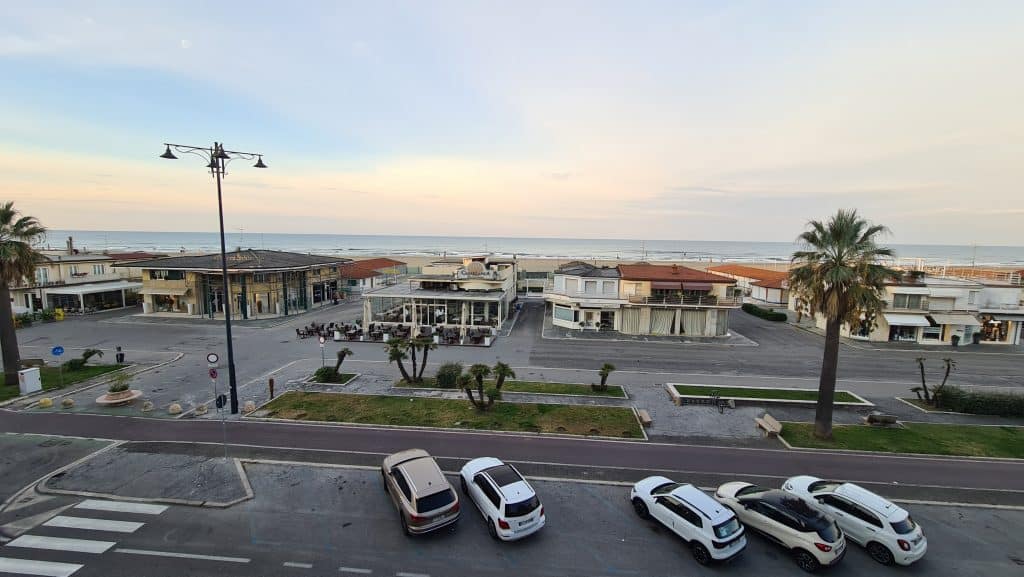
(52, 379)
(927, 438)
(537, 387)
(340, 379)
(751, 393)
(456, 414)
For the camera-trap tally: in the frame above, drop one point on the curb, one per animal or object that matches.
(677, 397)
(869, 453)
(85, 385)
(507, 392)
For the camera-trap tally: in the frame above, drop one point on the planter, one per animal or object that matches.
(119, 398)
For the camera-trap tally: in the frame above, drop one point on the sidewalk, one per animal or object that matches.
(732, 339)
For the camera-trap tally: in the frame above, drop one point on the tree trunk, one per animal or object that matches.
(924, 385)
(337, 366)
(827, 382)
(412, 350)
(423, 364)
(8, 338)
(401, 369)
(499, 381)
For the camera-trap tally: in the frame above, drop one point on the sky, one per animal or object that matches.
(645, 120)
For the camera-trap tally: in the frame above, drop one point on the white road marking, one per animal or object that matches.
(93, 524)
(121, 507)
(183, 555)
(355, 570)
(297, 565)
(44, 568)
(404, 574)
(61, 544)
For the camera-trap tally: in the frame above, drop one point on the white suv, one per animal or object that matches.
(713, 531)
(507, 502)
(812, 537)
(885, 530)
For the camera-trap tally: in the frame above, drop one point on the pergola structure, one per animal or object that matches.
(93, 296)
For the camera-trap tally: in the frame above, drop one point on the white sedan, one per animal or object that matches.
(887, 531)
(506, 501)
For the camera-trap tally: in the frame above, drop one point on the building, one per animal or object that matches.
(464, 297)
(641, 299)
(935, 310)
(76, 283)
(362, 275)
(262, 283)
(760, 285)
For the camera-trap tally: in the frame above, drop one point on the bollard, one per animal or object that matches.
(271, 384)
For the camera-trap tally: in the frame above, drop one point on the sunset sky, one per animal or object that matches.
(658, 120)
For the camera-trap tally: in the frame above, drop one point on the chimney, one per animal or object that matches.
(71, 245)
(675, 268)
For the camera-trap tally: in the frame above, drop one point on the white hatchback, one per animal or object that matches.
(507, 502)
(711, 529)
(887, 531)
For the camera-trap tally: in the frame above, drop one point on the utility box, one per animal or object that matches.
(29, 381)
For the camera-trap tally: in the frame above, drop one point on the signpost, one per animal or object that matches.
(57, 351)
(211, 363)
(323, 360)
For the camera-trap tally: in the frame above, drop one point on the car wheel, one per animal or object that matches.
(880, 553)
(492, 529)
(641, 508)
(405, 525)
(462, 483)
(700, 554)
(806, 561)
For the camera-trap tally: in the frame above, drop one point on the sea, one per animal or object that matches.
(626, 250)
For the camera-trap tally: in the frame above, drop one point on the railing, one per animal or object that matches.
(34, 284)
(707, 301)
(582, 294)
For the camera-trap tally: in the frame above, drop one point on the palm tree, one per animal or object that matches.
(939, 390)
(477, 373)
(344, 352)
(17, 261)
(501, 371)
(396, 349)
(839, 275)
(924, 385)
(425, 344)
(605, 372)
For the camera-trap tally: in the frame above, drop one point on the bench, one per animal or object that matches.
(645, 417)
(881, 419)
(32, 363)
(771, 427)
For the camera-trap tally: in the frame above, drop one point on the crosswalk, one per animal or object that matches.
(72, 536)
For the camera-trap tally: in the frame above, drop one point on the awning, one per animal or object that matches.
(164, 291)
(911, 290)
(94, 288)
(966, 320)
(1009, 317)
(697, 286)
(906, 320)
(665, 285)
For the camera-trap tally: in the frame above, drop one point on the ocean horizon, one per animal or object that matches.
(549, 248)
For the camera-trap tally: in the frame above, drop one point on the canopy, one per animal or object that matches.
(665, 285)
(697, 286)
(906, 320)
(954, 319)
(93, 288)
(164, 291)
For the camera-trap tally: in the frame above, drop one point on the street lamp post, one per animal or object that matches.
(218, 160)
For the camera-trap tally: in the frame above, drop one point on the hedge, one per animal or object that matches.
(952, 398)
(766, 314)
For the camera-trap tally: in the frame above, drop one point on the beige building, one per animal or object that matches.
(261, 283)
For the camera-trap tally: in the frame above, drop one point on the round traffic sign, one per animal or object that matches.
(212, 358)
(57, 351)
(323, 339)
(213, 373)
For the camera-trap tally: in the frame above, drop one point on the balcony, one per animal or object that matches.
(684, 301)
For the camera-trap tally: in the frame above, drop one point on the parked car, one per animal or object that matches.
(812, 536)
(887, 531)
(421, 493)
(712, 530)
(507, 502)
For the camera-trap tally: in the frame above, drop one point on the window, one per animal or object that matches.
(904, 301)
(851, 509)
(488, 490)
(689, 514)
(609, 287)
(728, 528)
(97, 269)
(73, 270)
(403, 485)
(590, 287)
(564, 313)
(905, 526)
(260, 277)
(159, 274)
(522, 508)
(931, 333)
(42, 275)
(435, 501)
(972, 297)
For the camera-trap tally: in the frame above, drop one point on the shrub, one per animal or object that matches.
(447, 376)
(766, 314)
(74, 365)
(47, 315)
(960, 400)
(24, 319)
(494, 393)
(325, 375)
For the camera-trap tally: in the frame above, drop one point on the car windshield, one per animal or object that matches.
(750, 490)
(522, 508)
(829, 533)
(435, 501)
(904, 526)
(730, 527)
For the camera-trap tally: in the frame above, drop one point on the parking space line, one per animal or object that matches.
(93, 524)
(43, 568)
(297, 565)
(121, 507)
(183, 555)
(61, 544)
(355, 570)
(404, 574)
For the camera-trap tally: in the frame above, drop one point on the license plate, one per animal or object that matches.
(527, 522)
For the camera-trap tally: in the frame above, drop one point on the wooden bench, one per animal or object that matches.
(31, 363)
(881, 419)
(771, 427)
(645, 417)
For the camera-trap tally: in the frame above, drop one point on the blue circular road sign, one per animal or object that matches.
(57, 351)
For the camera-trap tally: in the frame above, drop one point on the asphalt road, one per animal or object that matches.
(338, 521)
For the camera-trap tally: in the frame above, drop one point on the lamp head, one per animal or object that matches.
(259, 163)
(168, 154)
(220, 153)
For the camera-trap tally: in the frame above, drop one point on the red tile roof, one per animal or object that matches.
(379, 263)
(760, 274)
(354, 270)
(670, 273)
(776, 283)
